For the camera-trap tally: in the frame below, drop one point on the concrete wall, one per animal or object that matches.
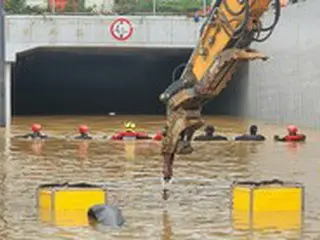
(29, 32)
(231, 100)
(286, 89)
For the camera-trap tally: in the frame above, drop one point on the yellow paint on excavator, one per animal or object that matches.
(200, 63)
(258, 7)
(224, 42)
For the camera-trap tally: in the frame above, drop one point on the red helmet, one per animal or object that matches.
(83, 128)
(292, 129)
(283, 3)
(36, 127)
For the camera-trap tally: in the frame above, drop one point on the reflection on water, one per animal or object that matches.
(199, 203)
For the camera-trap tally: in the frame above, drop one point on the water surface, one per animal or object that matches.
(199, 203)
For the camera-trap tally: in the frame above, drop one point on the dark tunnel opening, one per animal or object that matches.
(99, 81)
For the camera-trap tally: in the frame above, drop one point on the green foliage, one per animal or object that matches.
(81, 6)
(124, 6)
(120, 6)
(69, 6)
(176, 6)
(15, 6)
(20, 7)
(182, 6)
(6, 5)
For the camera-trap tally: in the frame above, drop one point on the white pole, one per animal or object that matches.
(204, 6)
(7, 84)
(54, 6)
(154, 5)
(3, 122)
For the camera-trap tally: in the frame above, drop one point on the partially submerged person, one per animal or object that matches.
(83, 133)
(35, 133)
(209, 135)
(292, 136)
(159, 135)
(253, 136)
(105, 215)
(130, 133)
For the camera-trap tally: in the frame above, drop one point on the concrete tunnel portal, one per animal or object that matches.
(98, 81)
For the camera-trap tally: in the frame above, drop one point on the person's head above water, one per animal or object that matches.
(292, 129)
(83, 129)
(129, 126)
(36, 128)
(253, 130)
(209, 130)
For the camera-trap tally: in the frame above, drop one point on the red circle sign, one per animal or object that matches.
(121, 29)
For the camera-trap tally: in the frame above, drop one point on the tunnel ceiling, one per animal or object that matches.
(95, 81)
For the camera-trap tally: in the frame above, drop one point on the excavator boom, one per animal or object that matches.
(225, 38)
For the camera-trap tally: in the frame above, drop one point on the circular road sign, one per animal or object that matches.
(121, 29)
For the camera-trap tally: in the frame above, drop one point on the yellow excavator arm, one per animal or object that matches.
(225, 37)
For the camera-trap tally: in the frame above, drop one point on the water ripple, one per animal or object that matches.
(198, 206)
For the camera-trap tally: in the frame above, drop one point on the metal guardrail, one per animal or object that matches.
(103, 7)
(189, 14)
(126, 7)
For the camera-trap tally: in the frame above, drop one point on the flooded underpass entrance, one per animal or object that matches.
(199, 203)
(93, 81)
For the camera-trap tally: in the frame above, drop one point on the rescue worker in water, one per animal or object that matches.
(130, 133)
(36, 133)
(253, 136)
(209, 135)
(83, 133)
(160, 134)
(292, 136)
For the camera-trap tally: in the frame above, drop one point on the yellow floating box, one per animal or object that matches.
(67, 205)
(268, 204)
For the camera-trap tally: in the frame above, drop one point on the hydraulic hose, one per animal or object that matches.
(226, 25)
(238, 32)
(214, 8)
(222, 20)
(173, 76)
(243, 2)
(259, 29)
(277, 8)
(256, 36)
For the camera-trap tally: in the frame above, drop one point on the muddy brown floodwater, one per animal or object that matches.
(199, 203)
